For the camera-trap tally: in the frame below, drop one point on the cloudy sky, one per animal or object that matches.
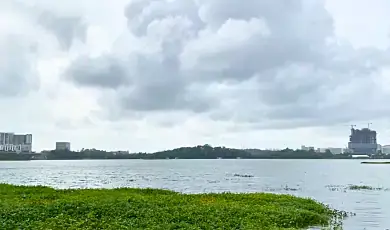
(145, 75)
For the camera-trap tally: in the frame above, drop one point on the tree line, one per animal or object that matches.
(197, 152)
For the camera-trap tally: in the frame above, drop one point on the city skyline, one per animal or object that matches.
(357, 140)
(133, 74)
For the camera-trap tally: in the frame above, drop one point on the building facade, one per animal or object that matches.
(363, 141)
(333, 150)
(307, 148)
(63, 146)
(386, 149)
(11, 142)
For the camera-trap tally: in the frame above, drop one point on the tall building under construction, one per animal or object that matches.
(362, 141)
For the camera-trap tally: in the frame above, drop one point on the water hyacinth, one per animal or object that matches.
(26, 207)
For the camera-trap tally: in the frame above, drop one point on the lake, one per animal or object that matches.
(323, 180)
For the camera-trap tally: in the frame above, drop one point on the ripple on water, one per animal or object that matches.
(307, 178)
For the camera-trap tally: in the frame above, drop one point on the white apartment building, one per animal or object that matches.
(11, 142)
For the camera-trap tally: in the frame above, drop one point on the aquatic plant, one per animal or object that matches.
(354, 187)
(25, 207)
(282, 189)
(242, 175)
(364, 187)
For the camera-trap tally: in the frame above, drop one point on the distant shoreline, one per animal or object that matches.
(87, 159)
(197, 152)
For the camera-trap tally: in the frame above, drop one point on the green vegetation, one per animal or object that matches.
(354, 187)
(282, 188)
(294, 154)
(197, 152)
(242, 175)
(23, 207)
(90, 154)
(363, 187)
(11, 156)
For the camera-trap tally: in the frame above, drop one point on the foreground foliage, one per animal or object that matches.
(23, 207)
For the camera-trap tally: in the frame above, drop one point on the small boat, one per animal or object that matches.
(376, 162)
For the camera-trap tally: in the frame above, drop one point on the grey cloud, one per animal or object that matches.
(21, 44)
(141, 13)
(285, 49)
(105, 72)
(18, 75)
(151, 82)
(158, 85)
(66, 29)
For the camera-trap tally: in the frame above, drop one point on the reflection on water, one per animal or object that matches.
(323, 180)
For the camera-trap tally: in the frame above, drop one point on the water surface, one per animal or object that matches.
(323, 180)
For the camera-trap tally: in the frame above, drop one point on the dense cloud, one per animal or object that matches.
(66, 29)
(165, 73)
(24, 29)
(17, 66)
(105, 72)
(18, 73)
(267, 61)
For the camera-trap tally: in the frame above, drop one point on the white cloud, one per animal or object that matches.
(363, 23)
(148, 75)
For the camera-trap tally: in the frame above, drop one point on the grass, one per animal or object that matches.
(26, 207)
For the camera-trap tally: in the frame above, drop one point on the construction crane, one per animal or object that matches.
(369, 125)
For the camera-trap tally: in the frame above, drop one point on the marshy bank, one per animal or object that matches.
(27, 207)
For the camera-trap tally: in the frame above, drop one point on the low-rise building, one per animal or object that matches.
(307, 148)
(334, 151)
(347, 150)
(386, 149)
(63, 146)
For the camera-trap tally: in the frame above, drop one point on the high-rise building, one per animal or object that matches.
(11, 142)
(6, 138)
(362, 141)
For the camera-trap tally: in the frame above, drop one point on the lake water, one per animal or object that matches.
(322, 180)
